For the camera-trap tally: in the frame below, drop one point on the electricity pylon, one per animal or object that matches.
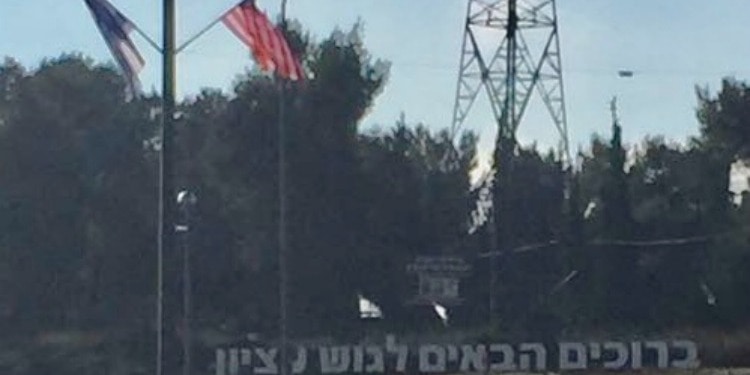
(510, 50)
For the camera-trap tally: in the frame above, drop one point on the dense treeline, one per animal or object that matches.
(643, 238)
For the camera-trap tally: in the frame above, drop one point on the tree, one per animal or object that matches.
(11, 72)
(73, 168)
(415, 186)
(724, 119)
(239, 177)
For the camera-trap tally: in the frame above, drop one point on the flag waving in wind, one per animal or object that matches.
(266, 42)
(116, 29)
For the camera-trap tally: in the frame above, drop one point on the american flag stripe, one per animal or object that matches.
(238, 21)
(260, 28)
(275, 47)
(266, 42)
(255, 47)
(234, 20)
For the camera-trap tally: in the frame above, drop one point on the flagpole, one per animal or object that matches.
(166, 196)
(213, 23)
(202, 31)
(282, 231)
(283, 306)
(147, 38)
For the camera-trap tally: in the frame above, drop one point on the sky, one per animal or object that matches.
(671, 46)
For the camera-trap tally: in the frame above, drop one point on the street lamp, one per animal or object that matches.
(186, 200)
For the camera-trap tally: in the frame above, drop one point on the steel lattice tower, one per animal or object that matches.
(522, 56)
(510, 50)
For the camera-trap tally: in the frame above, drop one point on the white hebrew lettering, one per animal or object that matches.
(473, 358)
(378, 363)
(662, 352)
(358, 361)
(300, 363)
(246, 357)
(267, 361)
(576, 349)
(636, 353)
(234, 361)
(595, 351)
(452, 352)
(402, 352)
(335, 360)
(465, 358)
(508, 358)
(431, 358)
(221, 362)
(529, 351)
(620, 358)
(690, 361)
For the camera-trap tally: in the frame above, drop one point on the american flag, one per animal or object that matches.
(266, 42)
(116, 29)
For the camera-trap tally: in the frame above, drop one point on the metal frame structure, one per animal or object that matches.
(509, 70)
(511, 48)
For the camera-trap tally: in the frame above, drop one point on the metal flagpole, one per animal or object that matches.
(202, 31)
(186, 200)
(282, 232)
(283, 333)
(166, 197)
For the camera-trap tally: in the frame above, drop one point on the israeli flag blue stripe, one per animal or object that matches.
(116, 29)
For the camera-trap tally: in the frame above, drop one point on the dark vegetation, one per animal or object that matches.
(78, 195)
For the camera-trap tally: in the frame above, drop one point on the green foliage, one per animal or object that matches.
(73, 175)
(415, 185)
(724, 120)
(668, 193)
(78, 198)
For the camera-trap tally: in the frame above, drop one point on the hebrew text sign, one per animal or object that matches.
(442, 358)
